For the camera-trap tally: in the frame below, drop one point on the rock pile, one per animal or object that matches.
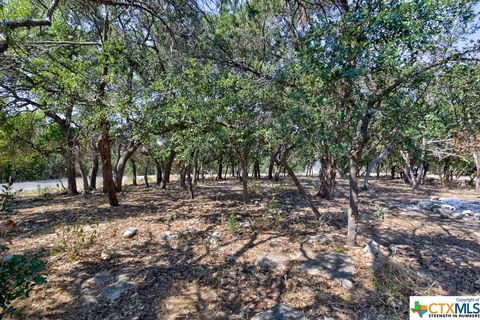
(452, 207)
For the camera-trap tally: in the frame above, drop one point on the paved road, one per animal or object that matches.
(55, 183)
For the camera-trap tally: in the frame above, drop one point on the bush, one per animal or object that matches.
(75, 240)
(18, 273)
(6, 197)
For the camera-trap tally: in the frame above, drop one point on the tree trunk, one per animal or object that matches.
(84, 172)
(414, 179)
(122, 162)
(183, 175)
(226, 172)
(134, 172)
(220, 168)
(244, 165)
(104, 147)
(145, 174)
(372, 164)
(94, 171)
(327, 176)
(158, 172)
(305, 194)
(353, 202)
(354, 156)
(168, 168)
(256, 169)
(476, 158)
(190, 182)
(104, 150)
(196, 173)
(70, 169)
(446, 171)
(270, 168)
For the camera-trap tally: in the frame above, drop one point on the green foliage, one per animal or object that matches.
(380, 213)
(74, 240)
(232, 223)
(6, 197)
(18, 276)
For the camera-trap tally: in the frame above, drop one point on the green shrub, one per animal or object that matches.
(6, 197)
(232, 222)
(74, 239)
(18, 276)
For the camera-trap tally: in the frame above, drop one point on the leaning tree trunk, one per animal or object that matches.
(327, 175)
(122, 162)
(476, 158)
(372, 164)
(134, 172)
(168, 168)
(305, 194)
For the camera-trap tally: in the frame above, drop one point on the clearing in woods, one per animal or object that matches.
(215, 258)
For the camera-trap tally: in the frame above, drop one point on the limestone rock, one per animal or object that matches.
(130, 232)
(268, 261)
(280, 312)
(113, 291)
(332, 265)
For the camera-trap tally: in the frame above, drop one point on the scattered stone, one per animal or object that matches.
(214, 238)
(371, 249)
(167, 236)
(444, 209)
(244, 224)
(449, 208)
(328, 318)
(458, 215)
(130, 232)
(321, 238)
(345, 283)
(113, 291)
(268, 261)
(427, 205)
(106, 255)
(332, 265)
(280, 312)
(188, 230)
(477, 282)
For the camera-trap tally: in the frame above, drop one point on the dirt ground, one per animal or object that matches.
(196, 259)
